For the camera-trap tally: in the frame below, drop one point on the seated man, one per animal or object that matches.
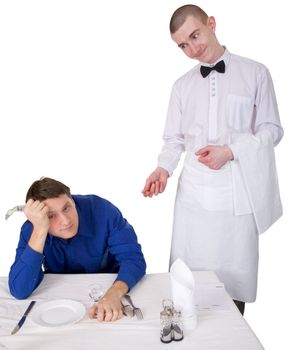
(68, 233)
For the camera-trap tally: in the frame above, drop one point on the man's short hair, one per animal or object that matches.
(46, 188)
(180, 15)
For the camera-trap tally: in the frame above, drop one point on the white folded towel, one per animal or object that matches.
(182, 286)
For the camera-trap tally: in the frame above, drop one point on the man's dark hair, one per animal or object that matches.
(46, 188)
(180, 15)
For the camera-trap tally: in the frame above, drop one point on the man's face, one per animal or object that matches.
(198, 40)
(63, 216)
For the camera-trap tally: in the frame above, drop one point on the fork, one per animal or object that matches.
(127, 310)
(13, 210)
(137, 310)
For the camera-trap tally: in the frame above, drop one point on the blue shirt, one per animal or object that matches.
(105, 243)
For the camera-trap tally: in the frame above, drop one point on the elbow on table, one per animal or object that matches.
(143, 269)
(19, 292)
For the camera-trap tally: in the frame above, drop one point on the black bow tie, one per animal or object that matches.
(219, 67)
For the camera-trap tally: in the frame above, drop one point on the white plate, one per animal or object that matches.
(57, 313)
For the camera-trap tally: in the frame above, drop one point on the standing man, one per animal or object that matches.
(223, 113)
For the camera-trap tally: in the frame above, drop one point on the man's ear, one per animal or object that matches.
(211, 23)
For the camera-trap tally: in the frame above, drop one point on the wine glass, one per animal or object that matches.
(96, 291)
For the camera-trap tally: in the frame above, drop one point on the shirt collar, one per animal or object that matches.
(224, 57)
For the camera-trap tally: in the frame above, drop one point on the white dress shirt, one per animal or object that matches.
(209, 110)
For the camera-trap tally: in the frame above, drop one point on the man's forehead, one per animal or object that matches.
(58, 203)
(190, 25)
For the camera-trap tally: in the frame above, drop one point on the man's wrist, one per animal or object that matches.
(120, 288)
(160, 168)
(229, 152)
(38, 239)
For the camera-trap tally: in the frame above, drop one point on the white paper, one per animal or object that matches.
(211, 297)
(182, 286)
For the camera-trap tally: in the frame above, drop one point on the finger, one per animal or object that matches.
(93, 311)
(41, 206)
(100, 313)
(115, 315)
(30, 202)
(120, 314)
(37, 204)
(204, 160)
(147, 185)
(151, 191)
(146, 188)
(202, 151)
(205, 154)
(146, 193)
(44, 209)
(162, 185)
(156, 188)
(108, 315)
(201, 159)
(34, 204)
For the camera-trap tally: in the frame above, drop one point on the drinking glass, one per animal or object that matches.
(96, 291)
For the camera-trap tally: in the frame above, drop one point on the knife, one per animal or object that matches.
(23, 318)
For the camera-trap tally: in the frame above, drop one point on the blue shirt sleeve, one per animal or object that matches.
(26, 272)
(124, 247)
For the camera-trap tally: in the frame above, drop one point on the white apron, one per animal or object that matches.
(206, 233)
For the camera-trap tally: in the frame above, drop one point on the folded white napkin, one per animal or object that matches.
(182, 287)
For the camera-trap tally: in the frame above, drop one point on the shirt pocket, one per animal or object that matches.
(240, 112)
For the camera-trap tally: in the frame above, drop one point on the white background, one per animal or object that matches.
(84, 88)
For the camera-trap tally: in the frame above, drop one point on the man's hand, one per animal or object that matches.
(36, 213)
(214, 157)
(156, 182)
(109, 308)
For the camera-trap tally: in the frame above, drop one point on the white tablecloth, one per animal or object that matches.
(218, 327)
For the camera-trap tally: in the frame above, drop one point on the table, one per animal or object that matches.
(219, 327)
